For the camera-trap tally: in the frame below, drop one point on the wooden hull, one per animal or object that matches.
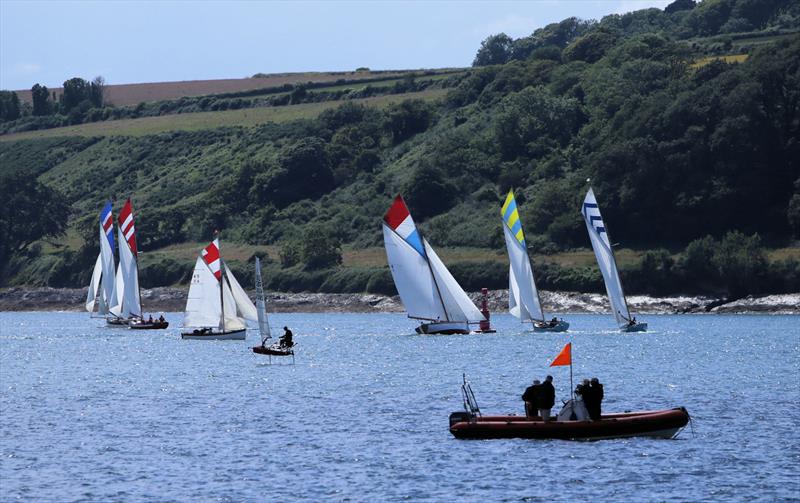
(560, 326)
(657, 424)
(198, 335)
(637, 327)
(443, 328)
(144, 325)
(119, 322)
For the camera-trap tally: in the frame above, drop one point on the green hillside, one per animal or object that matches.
(687, 130)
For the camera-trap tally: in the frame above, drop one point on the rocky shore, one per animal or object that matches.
(174, 299)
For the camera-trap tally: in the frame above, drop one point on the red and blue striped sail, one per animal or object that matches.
(398, 218)
(107, 222)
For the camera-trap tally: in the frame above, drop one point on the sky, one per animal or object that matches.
(48, 42)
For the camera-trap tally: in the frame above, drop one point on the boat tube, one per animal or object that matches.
(658, 424)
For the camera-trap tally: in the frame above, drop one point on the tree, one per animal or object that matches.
(495, 50)
(408, 118)
(679, 5)
(428, 192)
(320, 248)
(96, 91)
(76, 90)
(9, 106)
(30, 211)
(41, 100)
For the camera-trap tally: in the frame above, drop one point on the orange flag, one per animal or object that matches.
(564, 357)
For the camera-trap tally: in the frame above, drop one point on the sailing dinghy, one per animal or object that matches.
(523, 297)
(428, 290)
(217, 306)
(275, 349)
(598, 234)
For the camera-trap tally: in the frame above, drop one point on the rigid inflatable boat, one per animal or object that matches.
(658, 424)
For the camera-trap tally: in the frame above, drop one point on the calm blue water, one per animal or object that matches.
(89, 413)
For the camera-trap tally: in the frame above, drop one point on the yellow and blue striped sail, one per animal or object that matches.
(511, 217)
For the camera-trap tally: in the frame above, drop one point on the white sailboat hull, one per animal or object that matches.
(561, 326)
(198, 335)
(636, 327)
(443, 328)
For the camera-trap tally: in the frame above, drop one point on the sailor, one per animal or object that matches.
(582, 390)
(286, 338)
(150, 319)
(531, 398)
(161, 318)
(547, 398)
(593, 404)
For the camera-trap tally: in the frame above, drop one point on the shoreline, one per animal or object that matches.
(171, 299)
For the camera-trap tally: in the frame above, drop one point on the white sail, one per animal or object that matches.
(605, 258)
(119, 293)
(458, 305)
(128, 297)
(202, 304)
(94, 285)
(107, 277)
(522, 288)
(244, 306)
(232, 319)
(261, 305)
(412, 277)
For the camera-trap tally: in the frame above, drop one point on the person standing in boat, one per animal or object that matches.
(547, 398)
(531, 398)
(286, 338)
(594, 403)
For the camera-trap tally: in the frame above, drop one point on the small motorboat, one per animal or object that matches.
(658, 424)
(148, 325)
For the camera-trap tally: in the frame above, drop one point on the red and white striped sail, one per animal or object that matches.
(126, 226)
(210, 256)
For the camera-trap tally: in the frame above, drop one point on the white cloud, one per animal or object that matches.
(512, 25)
(27, 68)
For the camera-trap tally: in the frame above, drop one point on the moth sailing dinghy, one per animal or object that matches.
(275, 349)
(217, 306)
(101, 286)
(523, 297)
(428, 290)
(601, 243)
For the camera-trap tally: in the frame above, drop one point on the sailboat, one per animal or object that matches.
(598, 234)
(263, 323)
(217, 306)
(128, 309)
(101, 286)
(523, 297)
(428, 290)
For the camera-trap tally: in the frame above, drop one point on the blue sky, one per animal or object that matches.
(155, 41)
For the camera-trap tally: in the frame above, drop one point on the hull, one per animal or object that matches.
(637, 327)
(199, 335)
(656, 424)
(443, 328)
(119, 322)
(560, 326)
(144, 325)
(273, 350)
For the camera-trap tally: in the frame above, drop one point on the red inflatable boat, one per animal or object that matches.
(659, 424)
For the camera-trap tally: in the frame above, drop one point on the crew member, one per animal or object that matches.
(531, 399)
(286, 338)
(547, 398)
(595, 399)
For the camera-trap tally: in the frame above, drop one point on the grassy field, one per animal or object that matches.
(209, 120)
(733, 58)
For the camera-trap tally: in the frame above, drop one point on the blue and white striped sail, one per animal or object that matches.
(523, 298)
(605, 258)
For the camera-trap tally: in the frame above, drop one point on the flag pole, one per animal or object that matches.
(571, 387)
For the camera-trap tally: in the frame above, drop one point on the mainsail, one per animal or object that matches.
(107, 292)
(426, 287)
(206, 305)
(95, 294)
(261, 307)
(128, 296)
(605, 258)
(523, 298)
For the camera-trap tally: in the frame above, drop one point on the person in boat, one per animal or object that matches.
(286, 339)
(161, 319)
(595, 399)
(150, 319)
(554, 321)
(582, 390)
(547, 398)
(531, 398)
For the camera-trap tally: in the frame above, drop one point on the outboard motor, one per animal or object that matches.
(460, 417)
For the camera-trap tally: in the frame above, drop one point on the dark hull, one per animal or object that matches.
(660, 424)
(199, 335)
(156, 325)
(272, 351)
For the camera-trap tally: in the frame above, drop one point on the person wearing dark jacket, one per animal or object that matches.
(547, 398)
(531, 399)
(286, 339)
(593, 405)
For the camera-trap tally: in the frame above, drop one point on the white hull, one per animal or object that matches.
(444, 328)
(637, 327)
(561, 326)
(236, 335)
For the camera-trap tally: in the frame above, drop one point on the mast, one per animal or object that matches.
(616, 267)
(136, 259)
(221, 284)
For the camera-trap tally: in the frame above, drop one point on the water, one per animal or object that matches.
(89, 413)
